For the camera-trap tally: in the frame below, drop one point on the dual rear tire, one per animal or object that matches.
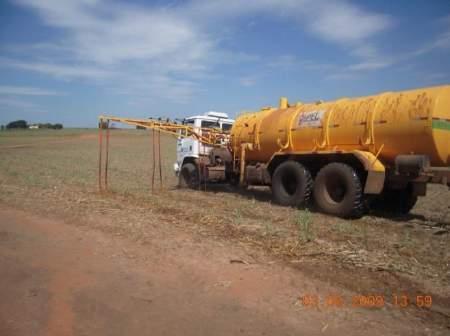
(338, 191)
(337, 188)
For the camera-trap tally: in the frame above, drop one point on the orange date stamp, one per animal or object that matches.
(366, 301)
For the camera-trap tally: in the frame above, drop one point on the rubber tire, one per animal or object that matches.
(188, 177)
(397, 202)
(302, 184)
(350, 204)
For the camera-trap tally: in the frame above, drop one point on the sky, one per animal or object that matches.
(70, 61)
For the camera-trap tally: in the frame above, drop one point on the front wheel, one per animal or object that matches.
(338, 191)
(188, 177)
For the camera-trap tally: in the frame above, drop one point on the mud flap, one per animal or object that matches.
(376, 172)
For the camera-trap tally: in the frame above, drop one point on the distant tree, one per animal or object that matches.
(57, 126)
(17, 124)
(2, 127)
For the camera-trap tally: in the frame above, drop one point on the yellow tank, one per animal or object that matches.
(388, 124)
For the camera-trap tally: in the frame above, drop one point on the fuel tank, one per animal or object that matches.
(387, 124)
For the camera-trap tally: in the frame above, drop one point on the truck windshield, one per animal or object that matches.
(210, 124)
(226, 127)
(189, 122)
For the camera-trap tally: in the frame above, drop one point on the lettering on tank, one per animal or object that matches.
(311, 118)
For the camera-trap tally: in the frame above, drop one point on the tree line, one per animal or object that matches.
(23, 124)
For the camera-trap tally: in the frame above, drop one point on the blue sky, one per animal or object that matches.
(69, 61)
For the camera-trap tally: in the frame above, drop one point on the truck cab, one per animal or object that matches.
(189, 149)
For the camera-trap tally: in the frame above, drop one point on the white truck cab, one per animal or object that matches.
(191, 149)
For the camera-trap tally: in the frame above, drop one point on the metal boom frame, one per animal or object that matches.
(207, 136)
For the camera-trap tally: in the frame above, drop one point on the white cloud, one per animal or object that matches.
(247, 81)
(284, 62)
(63, 71)
(26, 91)
(342, 22)
(108, 33)
(147, 48)
(441, 41)
(12, 102)
(160, 86)
(369, 65)
(373, 60)
(436, 77)
(162, 51)
(338, 21)
(12, 97)
(343, 75)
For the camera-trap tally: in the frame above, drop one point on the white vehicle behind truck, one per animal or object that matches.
(190, 149)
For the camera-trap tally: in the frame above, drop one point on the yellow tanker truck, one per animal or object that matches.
(345, 156)
(340, 152)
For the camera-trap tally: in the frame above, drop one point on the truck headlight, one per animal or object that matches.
(176, 168)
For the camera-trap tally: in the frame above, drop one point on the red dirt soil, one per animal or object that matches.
(60, 279)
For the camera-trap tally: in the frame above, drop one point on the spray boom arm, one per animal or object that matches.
(207, 136)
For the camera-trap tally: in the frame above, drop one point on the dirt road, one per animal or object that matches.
(59, 279)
